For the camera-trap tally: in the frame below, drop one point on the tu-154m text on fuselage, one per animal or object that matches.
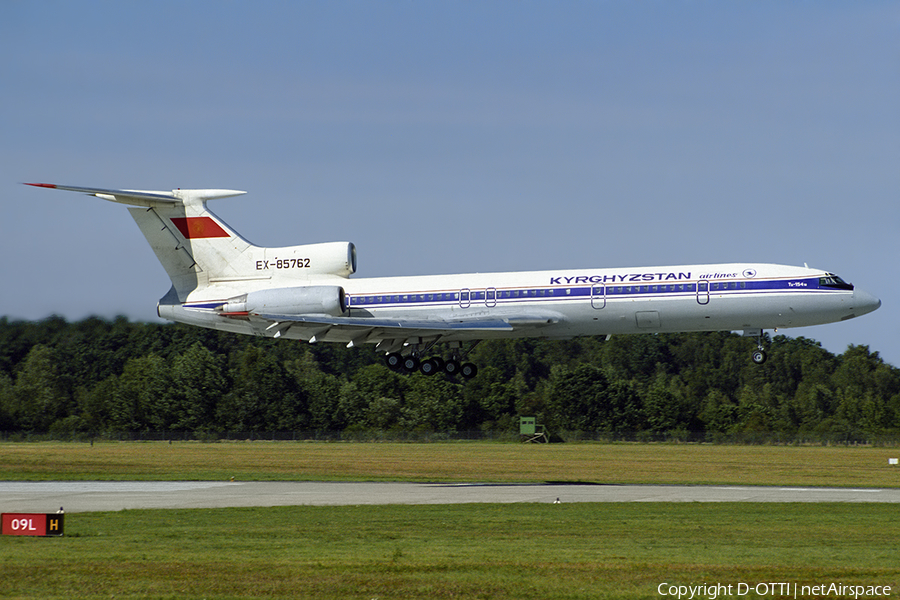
(306, 292)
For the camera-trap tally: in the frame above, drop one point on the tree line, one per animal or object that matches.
(98, 376)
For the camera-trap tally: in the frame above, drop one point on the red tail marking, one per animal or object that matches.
(195, 228)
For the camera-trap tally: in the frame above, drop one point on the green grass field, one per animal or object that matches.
(453, 462)
(521, 551)
(509, 551)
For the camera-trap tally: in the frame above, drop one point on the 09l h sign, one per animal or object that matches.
(36, 524)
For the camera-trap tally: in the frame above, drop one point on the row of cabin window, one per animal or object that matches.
(642, 289)
(510, 294)
(678, 287)
(454, 296)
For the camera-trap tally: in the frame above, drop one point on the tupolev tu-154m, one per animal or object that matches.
(222, 281)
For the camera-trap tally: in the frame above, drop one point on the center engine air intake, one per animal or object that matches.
(306, 300)
(329, 258)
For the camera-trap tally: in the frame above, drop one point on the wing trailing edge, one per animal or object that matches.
(436, 325)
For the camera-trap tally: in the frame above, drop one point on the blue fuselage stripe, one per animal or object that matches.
(493, 296)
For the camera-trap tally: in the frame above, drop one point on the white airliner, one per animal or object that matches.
(222, 281)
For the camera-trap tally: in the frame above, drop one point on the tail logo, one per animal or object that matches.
(194, 228)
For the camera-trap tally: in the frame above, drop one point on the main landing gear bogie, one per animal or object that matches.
(430, 366)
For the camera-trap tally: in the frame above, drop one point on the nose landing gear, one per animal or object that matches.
(759, 355)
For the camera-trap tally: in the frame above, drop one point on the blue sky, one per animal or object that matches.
(456, 137)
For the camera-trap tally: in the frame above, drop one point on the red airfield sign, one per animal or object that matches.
(36, 524)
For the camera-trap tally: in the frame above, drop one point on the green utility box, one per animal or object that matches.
(527, 425)
(530, 431)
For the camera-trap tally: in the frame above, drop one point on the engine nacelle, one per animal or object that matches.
(329, 258)
(314, 299)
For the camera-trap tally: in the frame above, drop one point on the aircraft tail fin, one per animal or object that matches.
(200, 252)
(193, 245)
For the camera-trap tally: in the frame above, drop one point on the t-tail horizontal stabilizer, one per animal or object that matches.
(146, 198)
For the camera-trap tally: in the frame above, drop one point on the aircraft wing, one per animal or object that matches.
(380, 328)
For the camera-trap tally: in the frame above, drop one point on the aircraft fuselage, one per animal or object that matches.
(564, 304)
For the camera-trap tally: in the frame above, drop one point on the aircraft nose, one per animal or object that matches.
(864, 302)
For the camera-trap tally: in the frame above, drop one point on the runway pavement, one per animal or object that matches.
(94, 496)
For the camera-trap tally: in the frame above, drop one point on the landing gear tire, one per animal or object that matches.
(451, 367)
(410, 364)
(468, 370)
(429, 367)
(759, 356)
(394, 361)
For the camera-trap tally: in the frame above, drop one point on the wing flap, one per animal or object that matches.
(391, 333)
(431, 325)
(373, 328)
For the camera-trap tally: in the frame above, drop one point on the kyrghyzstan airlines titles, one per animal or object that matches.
(641, 277)
(629, 277)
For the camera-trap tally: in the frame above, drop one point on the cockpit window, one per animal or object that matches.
(833, 281)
